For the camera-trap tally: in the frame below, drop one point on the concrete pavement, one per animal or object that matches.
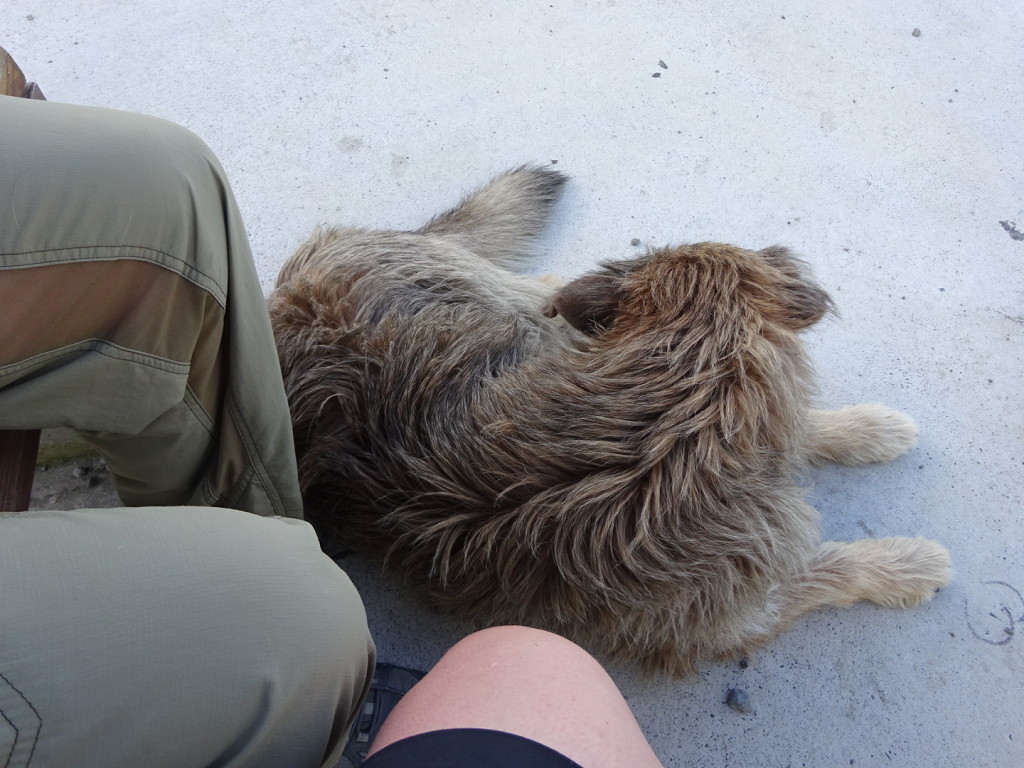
(891, 160)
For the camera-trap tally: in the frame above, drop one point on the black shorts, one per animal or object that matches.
(468, 748)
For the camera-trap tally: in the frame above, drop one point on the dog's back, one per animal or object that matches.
(515, 465)
(386, 339)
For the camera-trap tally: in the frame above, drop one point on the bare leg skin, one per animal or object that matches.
(527, 682)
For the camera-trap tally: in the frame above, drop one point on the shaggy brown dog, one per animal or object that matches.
(612, 460)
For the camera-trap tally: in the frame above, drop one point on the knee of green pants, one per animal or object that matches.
(89, 184)
(123, 185)
(175, 636)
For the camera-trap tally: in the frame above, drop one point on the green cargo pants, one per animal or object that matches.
(130, 311)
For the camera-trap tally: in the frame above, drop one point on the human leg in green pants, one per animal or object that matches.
(181, 637)
(130, 309)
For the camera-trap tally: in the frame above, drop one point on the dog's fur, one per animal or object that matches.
(612, 460)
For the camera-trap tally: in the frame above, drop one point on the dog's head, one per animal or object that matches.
(705, 282)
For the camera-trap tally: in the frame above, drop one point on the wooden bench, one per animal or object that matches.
(12, 80)
(18, 451)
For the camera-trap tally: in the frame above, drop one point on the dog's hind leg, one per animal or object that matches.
(859, 434)
(502, 220)
(895, 572)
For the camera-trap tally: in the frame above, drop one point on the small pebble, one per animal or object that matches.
(744, 662)
(656, 74)
(635, 241)
(738, 700)
(662, 64)
(916, 32)
(80, 471)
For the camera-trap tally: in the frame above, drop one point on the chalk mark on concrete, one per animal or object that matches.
(1010, 626)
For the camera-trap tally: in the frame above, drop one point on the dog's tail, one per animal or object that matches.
(501, 220)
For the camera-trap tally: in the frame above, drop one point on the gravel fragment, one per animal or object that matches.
(737, 699)
(916, 32)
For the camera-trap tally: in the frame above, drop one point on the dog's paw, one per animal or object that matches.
(861, 434)
(888, 433)
(910, 571)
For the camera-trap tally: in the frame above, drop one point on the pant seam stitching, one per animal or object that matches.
(255, 459)
(192, 403)
(101, 347)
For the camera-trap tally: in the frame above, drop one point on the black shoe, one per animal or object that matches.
(389, 685)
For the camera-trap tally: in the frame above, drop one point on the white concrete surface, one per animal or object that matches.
(888, 159)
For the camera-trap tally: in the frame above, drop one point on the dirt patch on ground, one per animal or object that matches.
(84, 483)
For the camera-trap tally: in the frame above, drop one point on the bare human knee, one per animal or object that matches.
(527, 682)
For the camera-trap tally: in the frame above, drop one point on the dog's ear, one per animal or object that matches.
(588, 303)
(801, 300)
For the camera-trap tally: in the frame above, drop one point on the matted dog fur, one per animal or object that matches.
(612, 460)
